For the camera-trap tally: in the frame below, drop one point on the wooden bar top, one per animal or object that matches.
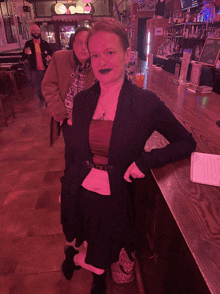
(195, 207)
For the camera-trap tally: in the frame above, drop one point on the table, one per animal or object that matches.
(194, 207)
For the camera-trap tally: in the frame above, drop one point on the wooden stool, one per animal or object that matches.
(6, 107)
(11, 74)
(6, 100)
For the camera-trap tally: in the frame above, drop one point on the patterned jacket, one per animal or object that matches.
(56, 83)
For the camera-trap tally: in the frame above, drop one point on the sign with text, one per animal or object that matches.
(184, 67)
(195, 73)
(158, 32)
(176, 74)
(210, 52)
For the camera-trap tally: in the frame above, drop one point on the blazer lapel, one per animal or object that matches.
(122, 121)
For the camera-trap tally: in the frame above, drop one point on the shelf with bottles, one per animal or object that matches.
(176, 46)
(187, 30)
(213, 30)
(194, 30)
(215, 23)
(186, 17)
(174, 36)
(185, 24)
(168, 46)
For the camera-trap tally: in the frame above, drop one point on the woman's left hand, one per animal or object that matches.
(133, 171)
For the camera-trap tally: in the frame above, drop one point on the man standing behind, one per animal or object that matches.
(37, 54)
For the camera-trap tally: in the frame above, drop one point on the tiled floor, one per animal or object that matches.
(31, 235)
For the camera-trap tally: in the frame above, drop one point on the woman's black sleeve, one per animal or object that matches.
(182, 143)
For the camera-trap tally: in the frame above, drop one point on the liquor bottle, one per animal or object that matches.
(201, 19)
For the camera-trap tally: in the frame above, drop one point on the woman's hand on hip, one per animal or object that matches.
(133, 171)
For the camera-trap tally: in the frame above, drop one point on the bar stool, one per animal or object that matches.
(7, 108)
(11, 75)
(6, 103)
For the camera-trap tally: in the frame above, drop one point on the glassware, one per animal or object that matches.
(28, 51)
(139, 78)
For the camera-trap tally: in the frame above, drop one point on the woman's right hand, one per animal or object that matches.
(69, 122)
(133, 171)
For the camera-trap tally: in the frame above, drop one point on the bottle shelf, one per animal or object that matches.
(189, 38)
(187, 35)
(187, 24)
(174, 36)
(196, 39)
(209, 24)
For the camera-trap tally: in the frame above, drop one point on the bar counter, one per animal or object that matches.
(194, 207)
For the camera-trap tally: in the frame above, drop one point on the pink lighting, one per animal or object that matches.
(87, 8)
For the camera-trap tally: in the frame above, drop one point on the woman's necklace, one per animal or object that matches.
(106, 110)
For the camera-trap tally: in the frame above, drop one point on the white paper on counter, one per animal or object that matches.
(205, 168)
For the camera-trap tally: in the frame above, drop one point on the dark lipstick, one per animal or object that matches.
(105, 70)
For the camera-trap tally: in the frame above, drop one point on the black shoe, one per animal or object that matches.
(68, 265)
(99, 284)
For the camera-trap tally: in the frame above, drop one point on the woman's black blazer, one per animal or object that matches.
(139, 113)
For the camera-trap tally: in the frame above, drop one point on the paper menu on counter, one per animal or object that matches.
(205, 168)
(195, 73)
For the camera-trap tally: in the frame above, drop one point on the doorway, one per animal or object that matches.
(65, 31)
(142, 49)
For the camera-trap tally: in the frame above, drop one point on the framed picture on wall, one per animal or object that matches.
(4, 8)
(9, 6)
(10, 29)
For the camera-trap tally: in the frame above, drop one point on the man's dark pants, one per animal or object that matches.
(37, 78)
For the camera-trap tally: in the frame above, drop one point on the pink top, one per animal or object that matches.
(99, 140)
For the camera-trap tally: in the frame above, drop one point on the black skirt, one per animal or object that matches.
(105, 231)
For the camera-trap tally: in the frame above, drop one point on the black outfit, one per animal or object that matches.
(106, 221)
(45, 50)
(35, 75)
(160, 8)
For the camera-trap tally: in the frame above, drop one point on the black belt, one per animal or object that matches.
(107, 168)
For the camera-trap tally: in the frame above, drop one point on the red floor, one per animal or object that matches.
(31, 235)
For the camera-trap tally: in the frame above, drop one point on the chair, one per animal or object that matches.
(6, 107)
(6, 100)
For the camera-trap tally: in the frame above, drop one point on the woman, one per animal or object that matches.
(69, 72)
(105, 151)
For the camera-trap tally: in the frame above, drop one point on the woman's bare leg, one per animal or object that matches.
(79, 259)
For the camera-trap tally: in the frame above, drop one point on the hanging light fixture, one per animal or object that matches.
(86, 1)
(60, 8)
(87, 8)
(72, 9)
(79, 9)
